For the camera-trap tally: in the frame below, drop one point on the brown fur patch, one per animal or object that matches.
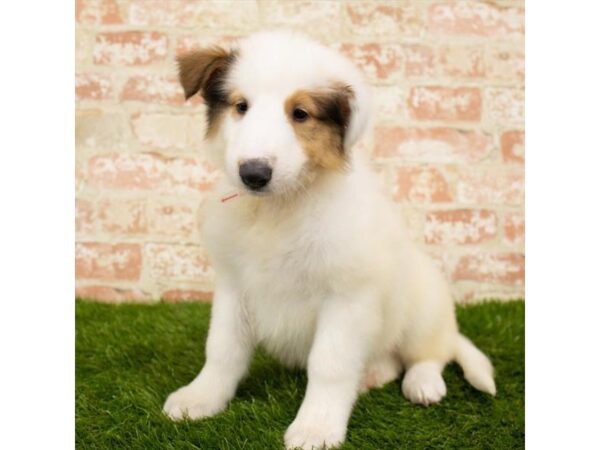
(322, 133)
(205, 71)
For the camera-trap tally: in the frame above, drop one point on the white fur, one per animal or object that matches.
(319, 271)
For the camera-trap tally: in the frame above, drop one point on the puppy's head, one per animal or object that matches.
(281, 109)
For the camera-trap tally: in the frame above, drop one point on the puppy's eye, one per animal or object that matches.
(241, 107)
(299, 115)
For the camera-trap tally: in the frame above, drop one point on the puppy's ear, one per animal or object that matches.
(334, 106)
(204, 70)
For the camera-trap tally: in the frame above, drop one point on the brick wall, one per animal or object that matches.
(448, 77)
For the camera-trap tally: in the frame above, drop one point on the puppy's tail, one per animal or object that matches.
(476, 366)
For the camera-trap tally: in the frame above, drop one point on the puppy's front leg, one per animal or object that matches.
(228, 350)
(344, 337)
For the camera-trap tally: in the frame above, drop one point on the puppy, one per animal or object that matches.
(311, 260)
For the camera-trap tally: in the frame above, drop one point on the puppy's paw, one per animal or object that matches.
(423, 385)
(314, 435)
(193, 402)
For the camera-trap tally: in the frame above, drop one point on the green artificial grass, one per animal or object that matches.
(130, 357)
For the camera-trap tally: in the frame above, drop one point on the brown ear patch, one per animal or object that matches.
(322, 133)
(205, 71)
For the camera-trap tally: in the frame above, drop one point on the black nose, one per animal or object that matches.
(255, 173)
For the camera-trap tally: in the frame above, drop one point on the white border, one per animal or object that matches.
(563, 225)
(37, 225)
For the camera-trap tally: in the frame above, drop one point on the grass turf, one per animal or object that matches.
(129, 357)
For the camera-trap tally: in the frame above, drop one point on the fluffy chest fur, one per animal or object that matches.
(286, 262)
(283, 271)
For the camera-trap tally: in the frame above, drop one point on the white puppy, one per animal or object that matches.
(311, 260)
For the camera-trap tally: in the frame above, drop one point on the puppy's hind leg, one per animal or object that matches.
(381, 371)
(423, 383)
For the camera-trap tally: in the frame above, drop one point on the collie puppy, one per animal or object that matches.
(312, 261)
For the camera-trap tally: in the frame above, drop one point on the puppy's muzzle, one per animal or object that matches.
(255, 173)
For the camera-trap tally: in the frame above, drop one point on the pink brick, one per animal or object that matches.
(122, 216)
(490, 186)
(459, 61)
(316, 18)
(384, 19)
(186, 295)
(175, 262)
(512, 144)
(514, 228)
(505, 268)
(445, 103)
(419, 61)
(189, 42)
(84, 216)
(505, 64)
(150, 171)
(94, 86)
(380, 62)
(473, 18)
(463, 226)
(155, 88)
(439, 145)
(172, 218)
(505, 105)
(102, 261)
(199, 14)
(179, 13)
(420, 185)
(108, 294)
(130, 48)
(96, 12)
